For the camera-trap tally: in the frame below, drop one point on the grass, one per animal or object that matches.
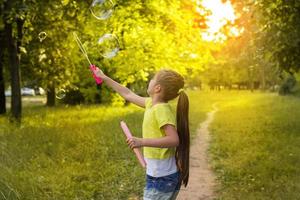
(80, 152)
(76, 152)
(70, 153)
(256, 146)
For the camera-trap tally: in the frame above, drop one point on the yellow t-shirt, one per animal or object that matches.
(154, 118)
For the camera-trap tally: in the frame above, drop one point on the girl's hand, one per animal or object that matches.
(99, 73)
(134, 142)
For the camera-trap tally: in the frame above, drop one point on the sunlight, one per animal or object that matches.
(219, 14)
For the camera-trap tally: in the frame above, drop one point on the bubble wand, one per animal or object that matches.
(84, 52)
(137, 152)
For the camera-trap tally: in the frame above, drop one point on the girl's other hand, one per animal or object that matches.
(134, 142)
(99, 73)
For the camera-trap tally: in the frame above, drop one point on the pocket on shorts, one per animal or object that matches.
(168, 183)
(163, 184)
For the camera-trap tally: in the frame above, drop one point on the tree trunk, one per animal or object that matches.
(50, 96)
(98, 97)
(16, 103)
(2, 86)
(263, 76)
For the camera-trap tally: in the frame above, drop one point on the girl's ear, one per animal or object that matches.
(157, 88)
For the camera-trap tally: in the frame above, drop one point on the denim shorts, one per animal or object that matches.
(162, 188)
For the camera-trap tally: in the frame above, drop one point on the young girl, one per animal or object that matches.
(166, 140)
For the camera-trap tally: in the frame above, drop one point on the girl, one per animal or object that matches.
(166, 140)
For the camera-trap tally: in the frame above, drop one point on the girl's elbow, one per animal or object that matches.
(176, 143)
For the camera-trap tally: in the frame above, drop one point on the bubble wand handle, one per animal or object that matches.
(92, 67)
(97, 79)
(137, 152)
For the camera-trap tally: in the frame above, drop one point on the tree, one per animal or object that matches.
(13, 16)
(2, 81)
(52, 62)
(280, 27)
(153, 35)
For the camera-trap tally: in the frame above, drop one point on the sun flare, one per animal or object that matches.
(218, 14)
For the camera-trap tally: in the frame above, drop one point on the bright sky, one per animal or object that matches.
(221, 13)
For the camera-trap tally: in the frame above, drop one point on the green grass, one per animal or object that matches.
(76, 152)
(256, 146)
(69, 153)
(80, 152)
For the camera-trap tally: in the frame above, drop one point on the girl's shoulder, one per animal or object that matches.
(148, 102)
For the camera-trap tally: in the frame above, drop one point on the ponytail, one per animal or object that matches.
(182, 154)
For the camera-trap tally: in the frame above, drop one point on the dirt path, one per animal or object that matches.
(202, 181)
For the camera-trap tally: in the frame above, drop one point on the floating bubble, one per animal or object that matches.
(61, 94)
(108, 45)
(42, 36)
(102, 9)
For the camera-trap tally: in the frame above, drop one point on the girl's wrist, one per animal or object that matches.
(142, 142)
(104, 77)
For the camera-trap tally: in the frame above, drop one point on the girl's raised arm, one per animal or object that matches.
(123, 91)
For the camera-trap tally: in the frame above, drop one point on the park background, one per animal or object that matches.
(241, 55)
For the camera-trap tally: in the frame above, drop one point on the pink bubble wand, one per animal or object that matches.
(137, 151)
(84, 52)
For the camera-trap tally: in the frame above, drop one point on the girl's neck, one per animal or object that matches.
(157, 100)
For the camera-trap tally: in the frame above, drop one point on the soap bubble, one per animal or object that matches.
(61, 94)
(42, 36)
(108, 45)
(102, 9)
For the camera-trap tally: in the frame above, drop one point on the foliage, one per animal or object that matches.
(288, 85)
(152, 36)
(269, 43)
(279, 26)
